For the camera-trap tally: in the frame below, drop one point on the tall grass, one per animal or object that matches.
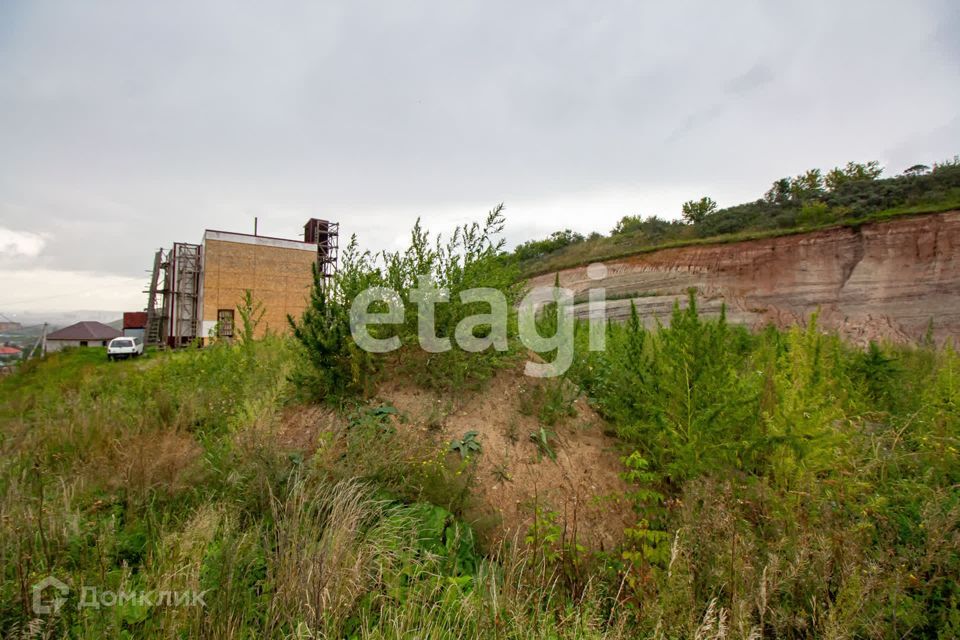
(165, 475)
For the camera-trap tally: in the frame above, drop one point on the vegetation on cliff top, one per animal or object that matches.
(851, 195)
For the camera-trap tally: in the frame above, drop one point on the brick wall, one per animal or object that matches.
(280, 277)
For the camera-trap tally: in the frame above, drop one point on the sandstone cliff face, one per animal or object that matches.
(885, 280)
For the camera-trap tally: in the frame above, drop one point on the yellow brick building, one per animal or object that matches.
(196, 290)
(277, 271)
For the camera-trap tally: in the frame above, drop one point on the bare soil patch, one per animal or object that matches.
(577, 476)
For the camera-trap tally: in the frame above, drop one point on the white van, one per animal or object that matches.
(125, 347)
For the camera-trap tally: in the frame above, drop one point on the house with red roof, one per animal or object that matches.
(9, 352)
(134, 323)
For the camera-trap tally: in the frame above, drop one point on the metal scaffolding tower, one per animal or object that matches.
(326, 235)
(184, 274)
(155, 316)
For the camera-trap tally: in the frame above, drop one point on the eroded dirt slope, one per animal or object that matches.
(581, 483)
(886, 280)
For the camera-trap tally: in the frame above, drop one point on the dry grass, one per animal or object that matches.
(325, 561)
(143, 463)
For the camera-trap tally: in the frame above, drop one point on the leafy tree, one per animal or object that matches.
(807, 186)
(853, 172)
(627, 224)
(916, 170)
(556, 241)
(652, 227)
(780, 192)
(695, 211)
(859, 171)
(835, 179)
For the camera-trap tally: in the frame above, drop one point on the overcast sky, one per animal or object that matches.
(126, 126)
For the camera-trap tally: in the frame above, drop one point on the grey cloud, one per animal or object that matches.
(756, 77)
(151, 122)
(698, 118)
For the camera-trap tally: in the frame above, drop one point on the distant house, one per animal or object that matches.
(10, 326)
(81, 334)
(9, 352)
(134, 323)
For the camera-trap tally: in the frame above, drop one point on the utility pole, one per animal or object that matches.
(41, 340)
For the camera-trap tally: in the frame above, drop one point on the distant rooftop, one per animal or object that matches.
(87, 330)
(134, 319)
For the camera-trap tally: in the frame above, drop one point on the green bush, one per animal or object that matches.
(471, 258)
(785, 482)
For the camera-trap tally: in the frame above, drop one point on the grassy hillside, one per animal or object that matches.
(796, 205)
(779, 485)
